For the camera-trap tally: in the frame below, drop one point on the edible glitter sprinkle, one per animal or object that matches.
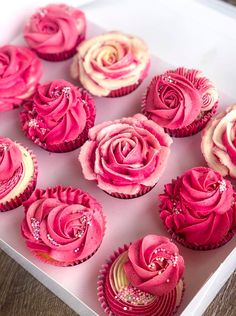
(52, 241)
(33, 123)
(76, 250)
(43, 130)
(4, 147)
(85, 220)
(168, 79)
(35, 224)
(222, 185)
(134, 296)
(66, 91)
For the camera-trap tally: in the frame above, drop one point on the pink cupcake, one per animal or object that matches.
(182, 101)
(63, 226)
(198, 209)
(55, 31)
(20, 71)
(126, 157)
(58, 116)
(218, 142)
(18, 174)
(111, 65)
(144, 278)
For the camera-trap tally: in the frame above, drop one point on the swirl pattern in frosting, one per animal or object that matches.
(178, 97)
(63, 226)
(118, 290)
(20, 71)
(125, 155)
(198, 207)
(58, 112)
(109, 62)
(219, 142)
(55, 29)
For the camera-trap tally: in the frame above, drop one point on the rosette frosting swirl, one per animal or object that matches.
(178, 97)
(197, 207)
(125, 155)
(20, 71)
(59, 112)
(219, 142)
(109, 62)
(63, 225)
(55, 29)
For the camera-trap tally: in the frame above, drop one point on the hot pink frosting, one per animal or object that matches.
(219, 142)
(58, 113)
(55, 29)
(176, 98)
(10, 166)
(154, 265)
(20, 71)
(197, 206)
(125, 155)
(64, 223)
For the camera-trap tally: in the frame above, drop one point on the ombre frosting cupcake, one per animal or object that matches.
(20, 71)
(112, 64)
(182, 101)
(126, 157)
(218, 142)
(198, 209)
(55, 31)
(144, 278)
(63, 226)
(58, 116)
(18, 174)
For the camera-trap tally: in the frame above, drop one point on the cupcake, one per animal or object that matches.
(144, 278)
(111, 65)
(198, 209)
(20, 71)
(182, 101)
(218, 142)
(62, 226)
(55, 31)
(58, 116)
(18, 174)
(126, 157)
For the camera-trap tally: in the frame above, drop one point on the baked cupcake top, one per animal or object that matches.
(125, 155)
(55, 29)
(20, 71)
(198, 207)
(218, 142)
(63, 225)
(139, 278)
(57, 113)
(178, 97)
(17, 168)
(109, 62)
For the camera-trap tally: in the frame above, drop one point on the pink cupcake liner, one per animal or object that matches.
(19, 199)
(63, 55)
(143, 190)
(102, 280)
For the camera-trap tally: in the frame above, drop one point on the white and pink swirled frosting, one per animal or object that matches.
(219, 142)
(55, 29)
(63, 225)
(178, 97)
(59, 112)
(125, 155)
(109, 62)
(20, 71)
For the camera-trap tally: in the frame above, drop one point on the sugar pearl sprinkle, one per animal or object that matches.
(57, 92)
(168, 79)
(52, 241)
(33, 123)
(176, 210)
(133, 296)
(35, 224)
(4, 147)
(173, 257)
(85, 220)
(222, 186)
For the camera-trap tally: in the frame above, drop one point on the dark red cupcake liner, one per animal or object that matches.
(143, 190)
(63, 55)
(102, 280)
(19, 199)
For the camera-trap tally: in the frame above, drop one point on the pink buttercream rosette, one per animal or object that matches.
(58, 116)
(11, 173)
(63, 226)
(112, 64)
(182, 101)
(126, 157)
(218, 142)
(198, 209)
(55, 31)
(153, 269)
(20, 71)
